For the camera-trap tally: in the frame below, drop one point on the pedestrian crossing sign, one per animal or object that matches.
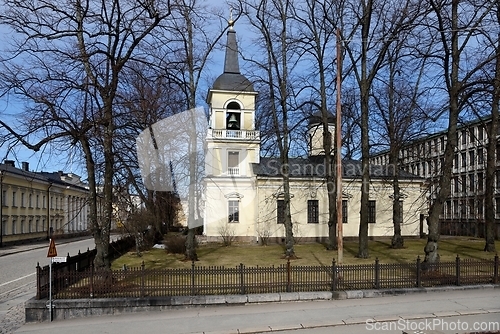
(52, 249)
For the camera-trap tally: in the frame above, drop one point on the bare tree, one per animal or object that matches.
(66, 62)
(272, 20)
(489, 196)
(453, 29)
(380, 24)
(316, 22)
(398, 97)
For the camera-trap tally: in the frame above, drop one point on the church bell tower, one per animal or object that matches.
(232, 146)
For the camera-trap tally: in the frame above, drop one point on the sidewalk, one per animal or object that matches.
(423, 313)
(12, 249)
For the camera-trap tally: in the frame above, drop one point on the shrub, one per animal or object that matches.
(175, 244)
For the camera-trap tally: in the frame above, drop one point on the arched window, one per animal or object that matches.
(233, 116)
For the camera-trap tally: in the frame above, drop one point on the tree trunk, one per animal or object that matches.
(397, 240)
(491, 158)
(451, 69)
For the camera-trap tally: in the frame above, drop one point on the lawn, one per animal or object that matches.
(307, 253)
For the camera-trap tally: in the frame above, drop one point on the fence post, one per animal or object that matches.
(142, 279)
(288, 277)
(457, 269)
(377, 273)
(38, 294)
(242, 281)
(91, 279)
(192, 278)
(334, 275)
(495, 270)
(419, 272)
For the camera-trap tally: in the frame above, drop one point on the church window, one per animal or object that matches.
(234, 211)
(312, 212)
(280, 212)
(344, 211)
(233, 161)
(371, 212)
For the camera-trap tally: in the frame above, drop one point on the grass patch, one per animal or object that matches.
(308, 254)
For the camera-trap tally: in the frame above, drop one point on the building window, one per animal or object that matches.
(463, 208)
(22, 226)
(43, 202)
(442, 143)
(480, 181)
(280, 212)
(312, 212)
(480, 156)
(14, 199)
(464, 183)
(456, 161)
(455, 207)
(4, 198)
(480, 133)
(371, 212)
(480, 208)
(464, 159)
(234, 211)
(14, 226)
(233, 161)
(464, 137)
(472, 158)
(37, 201)
(344, 212)
(498, 179)
(448, 208)
(455, 184)
(37, 225)
(472, 182)
(472, 209)
(30, 200)
(22, 200)
(497, 205)
(51, 202)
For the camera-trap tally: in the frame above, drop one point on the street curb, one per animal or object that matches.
(358, 294)
(36, 310)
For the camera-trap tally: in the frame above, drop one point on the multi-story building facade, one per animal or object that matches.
(35, 205)
(463, 212)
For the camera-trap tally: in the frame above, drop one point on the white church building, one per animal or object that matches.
(243, 191)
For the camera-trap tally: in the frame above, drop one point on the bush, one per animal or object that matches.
(175, 244)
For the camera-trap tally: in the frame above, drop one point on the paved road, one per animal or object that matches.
(18, 274)
(435, 312)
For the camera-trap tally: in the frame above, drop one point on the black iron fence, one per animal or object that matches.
(214, 280)
(80, 263)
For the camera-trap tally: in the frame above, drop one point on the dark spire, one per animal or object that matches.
(231, 64)
(231, 78)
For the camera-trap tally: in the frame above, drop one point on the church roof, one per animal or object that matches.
(317, 118)
(314, 167)
(232, 79)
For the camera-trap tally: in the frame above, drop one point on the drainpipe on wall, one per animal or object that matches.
(49, 228)
(2, 173)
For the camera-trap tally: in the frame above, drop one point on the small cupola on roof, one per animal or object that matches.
(232, 79)
(315, 132)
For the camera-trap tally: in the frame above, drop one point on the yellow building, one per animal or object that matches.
(34, 205)
(243, 191)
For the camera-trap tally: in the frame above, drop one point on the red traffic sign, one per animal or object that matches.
(52, 249)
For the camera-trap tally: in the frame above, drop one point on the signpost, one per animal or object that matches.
(52, 254)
